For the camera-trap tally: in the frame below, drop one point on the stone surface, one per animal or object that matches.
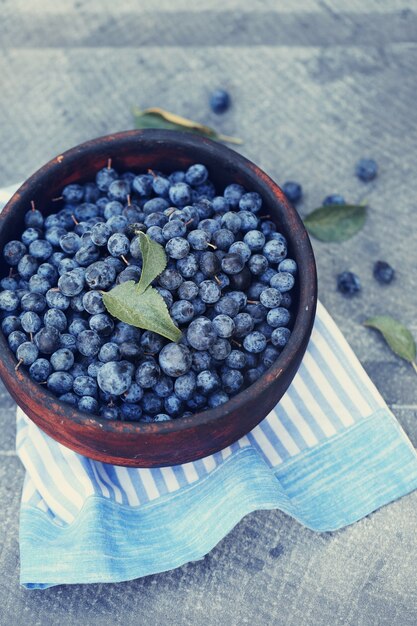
(315, 86)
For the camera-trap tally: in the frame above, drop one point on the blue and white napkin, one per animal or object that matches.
(330, 453)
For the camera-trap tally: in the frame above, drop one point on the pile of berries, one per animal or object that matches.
(227, 287)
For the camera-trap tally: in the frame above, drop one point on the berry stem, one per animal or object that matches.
(217, 279)
(19, 363)
(253, 301)
(236, 343)
(31, 336)
(152, 173)
(11, 272)
(124, 259)
(74, 219)
(212, 246)
(32, 204)
(109, 164)
(264, 217)
(128, 200)
(57, 199)
(189, 221)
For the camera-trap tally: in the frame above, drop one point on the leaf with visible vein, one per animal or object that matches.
(154, 261)
(397, 336)
(336, 222)
(145, 310)
(158, 118)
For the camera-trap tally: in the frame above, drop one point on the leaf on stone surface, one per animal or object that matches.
(161, 119)
(336, 222)
(397, 336)
(145, 310)
(154, 261)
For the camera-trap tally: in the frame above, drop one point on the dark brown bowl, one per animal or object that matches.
(188, 438)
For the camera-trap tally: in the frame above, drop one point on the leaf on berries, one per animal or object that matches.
(158, 118)
(145, 310)
(397, 336)
(336, 222)
(154, 261)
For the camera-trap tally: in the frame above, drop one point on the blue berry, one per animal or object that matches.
(175, 359)
(9, 300)
(134, 393)
(185, 386)
(89, 343)
(227, 305)
(251, 201)
(255, 342)
(200, 334)
(275, 250)
(293, 191)
(173, 406)
(33, 302)
(180, 194)
(348, 283)
(151, 342)
(118, 244)
(232, 263)
(207, 382)
(270, 298)
(102, 324)
(383, 272)
(219, 101)
(223, 325)
(119, 190)
(232, 381)
(255, 240)
(142, 185)
(73, 193)
(201, 360)
(55, 318)
(40, 370)
(196, 174)
(84, 385)
(288, 265)
(130, 412)
(188, 290)
(220, 349)
(27, 266)
(15, 339)
(60, 382)
(236, 360)
(198, 239)
(177, 248)
(40, 249)
(11, 323)
(34, 218)
(13, 252)
(71, 283)
(164, 386)
(280, 337)
(105, 177)
(62, 359)
(188, 266)
(27, 353)
(151, 403)
(147, 374)
(115, 377)
(278, 317)
(47, 340)
(366, 169)
(88, 405)
(233, 194)
(217, 399)
(182, 311)
(209, 291)
(220, 204)
(258, 264)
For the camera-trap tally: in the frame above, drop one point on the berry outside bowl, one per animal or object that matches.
(186, 439)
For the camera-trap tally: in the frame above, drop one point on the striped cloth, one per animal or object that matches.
(329, 453)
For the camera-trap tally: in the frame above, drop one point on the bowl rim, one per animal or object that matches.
(304, 317)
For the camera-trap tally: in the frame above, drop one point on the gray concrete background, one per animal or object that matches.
(315, 86)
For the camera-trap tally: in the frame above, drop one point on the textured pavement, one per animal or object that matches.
(315, 85)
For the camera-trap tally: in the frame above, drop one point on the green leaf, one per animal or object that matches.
(336, 222)
(158, 118)
(154, 261)
(397, 336)
(146, 310)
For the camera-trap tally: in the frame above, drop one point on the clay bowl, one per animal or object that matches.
(189, 438)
